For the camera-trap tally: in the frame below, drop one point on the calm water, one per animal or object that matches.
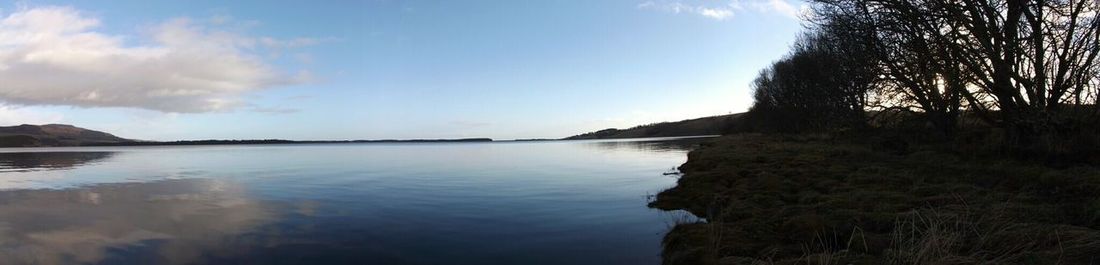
(576, 202)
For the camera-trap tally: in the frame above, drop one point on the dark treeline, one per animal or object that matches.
(1026, 69)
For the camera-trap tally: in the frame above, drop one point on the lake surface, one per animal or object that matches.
(560, 202)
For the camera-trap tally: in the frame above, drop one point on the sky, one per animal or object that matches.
(381, 69)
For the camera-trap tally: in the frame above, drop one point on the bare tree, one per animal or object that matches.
(1015, 63)
(823, 83)
(1031, 56)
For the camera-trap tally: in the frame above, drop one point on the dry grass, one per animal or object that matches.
(931, 237)
(821, 199)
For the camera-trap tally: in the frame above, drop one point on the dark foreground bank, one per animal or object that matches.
(831, 200)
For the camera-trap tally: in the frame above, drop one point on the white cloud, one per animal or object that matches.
(723, 10)
(14, 116)
(778, 6)
(56, 56)
(716, 13)
(274, 110)
(292, 43)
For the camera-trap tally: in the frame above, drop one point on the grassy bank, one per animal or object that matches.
(821, 199)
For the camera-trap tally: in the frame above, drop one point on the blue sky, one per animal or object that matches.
(166, 70)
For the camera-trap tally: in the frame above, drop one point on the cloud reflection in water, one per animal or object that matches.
(164, 222)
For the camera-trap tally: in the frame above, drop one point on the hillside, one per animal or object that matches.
(54, 135)
(702, 126)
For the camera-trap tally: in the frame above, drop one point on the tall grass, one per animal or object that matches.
(933, 236)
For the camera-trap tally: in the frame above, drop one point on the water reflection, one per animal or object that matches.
(31, 161)
(650, 145)
(164, 222)
(560, 202)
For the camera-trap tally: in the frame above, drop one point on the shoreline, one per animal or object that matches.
(799, 199)
(307, 142)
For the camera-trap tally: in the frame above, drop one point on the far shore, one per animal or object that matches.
(294, 142)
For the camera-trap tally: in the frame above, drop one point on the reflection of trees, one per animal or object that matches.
(49, 160)
(177, 221)
(660, 145)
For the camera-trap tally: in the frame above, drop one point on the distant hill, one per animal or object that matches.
(280, 141)
(67, 135)
(702, 126)
(54, 135)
